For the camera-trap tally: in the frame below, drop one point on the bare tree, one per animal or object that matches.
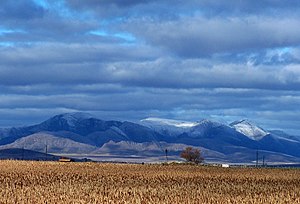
(192, 155)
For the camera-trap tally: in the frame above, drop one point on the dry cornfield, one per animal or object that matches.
(54, 182)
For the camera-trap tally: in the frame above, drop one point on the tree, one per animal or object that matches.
(192, 155)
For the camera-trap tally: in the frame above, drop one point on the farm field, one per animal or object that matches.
(54, 182)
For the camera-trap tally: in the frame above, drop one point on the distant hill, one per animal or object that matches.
(54, 144)
(25, 154)
(82, 134)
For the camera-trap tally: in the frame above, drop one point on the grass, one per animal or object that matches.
(54, 182)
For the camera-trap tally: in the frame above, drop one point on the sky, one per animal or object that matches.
(133, 59)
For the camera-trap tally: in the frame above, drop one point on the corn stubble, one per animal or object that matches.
(53, 182)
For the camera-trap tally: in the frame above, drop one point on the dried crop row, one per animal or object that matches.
(53, 182)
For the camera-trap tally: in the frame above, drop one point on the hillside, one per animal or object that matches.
(82, 134)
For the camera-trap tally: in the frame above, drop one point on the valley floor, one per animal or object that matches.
(54, 182)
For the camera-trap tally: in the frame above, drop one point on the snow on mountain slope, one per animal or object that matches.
(175, 123)
(72, 118)
(167, 126)
(204, 126)
(248, 129)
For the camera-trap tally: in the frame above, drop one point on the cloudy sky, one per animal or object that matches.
(132, 59)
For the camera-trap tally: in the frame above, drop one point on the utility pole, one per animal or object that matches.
(166, 151)
(263, 160)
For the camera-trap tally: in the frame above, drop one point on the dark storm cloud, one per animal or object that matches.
(134, 66)
(28, 22)
(222, 60)
(249, 6)
(198, 36)
(20, 10)
(83, 54)
(207, 7)
(102, 3)
(116, 8)
(148, 99)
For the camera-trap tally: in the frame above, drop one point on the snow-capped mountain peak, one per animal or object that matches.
(211, 123)
(71, 119)
(76, 116)
(249, 129)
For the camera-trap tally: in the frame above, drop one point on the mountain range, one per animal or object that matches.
(82, 135)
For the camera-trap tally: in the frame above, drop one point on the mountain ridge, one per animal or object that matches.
(83, 133)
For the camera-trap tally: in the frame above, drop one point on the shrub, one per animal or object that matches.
(192, 155)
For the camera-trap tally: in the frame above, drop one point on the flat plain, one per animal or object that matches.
(54, 182)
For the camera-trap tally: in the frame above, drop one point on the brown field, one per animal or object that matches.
(54, 182)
